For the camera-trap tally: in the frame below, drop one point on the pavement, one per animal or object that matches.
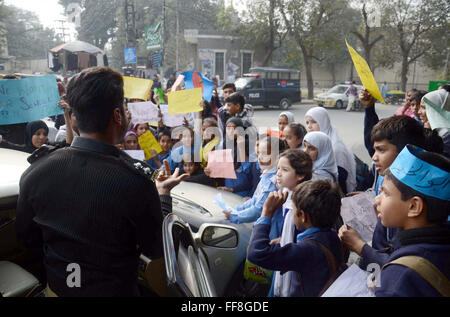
(350, 125)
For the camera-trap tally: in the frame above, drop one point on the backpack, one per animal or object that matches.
(427, 270)
(364, 178)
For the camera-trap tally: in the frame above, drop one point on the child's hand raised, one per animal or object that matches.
(351, 239)
(274, 202)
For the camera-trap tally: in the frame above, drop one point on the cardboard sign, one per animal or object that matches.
(365, 74)
(148, 143)
(28, 99)
(221, 164)
(185, 101)
(137, 88)
(143, 112)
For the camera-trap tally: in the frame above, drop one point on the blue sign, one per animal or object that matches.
(130, 55)
(157, 59)
(29, 99)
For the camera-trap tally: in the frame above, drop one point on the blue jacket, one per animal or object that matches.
(161, 158)
(251, 210)
(306, 258)
(242, 186)
(432, 244)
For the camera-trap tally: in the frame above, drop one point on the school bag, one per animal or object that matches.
(336, 269)
(364, 177)
(427, 270)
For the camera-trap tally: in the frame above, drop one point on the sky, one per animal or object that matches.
(48, 12)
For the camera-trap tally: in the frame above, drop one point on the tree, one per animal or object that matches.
(412, 24)
(306, 21)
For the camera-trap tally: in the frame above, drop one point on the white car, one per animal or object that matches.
(336, 97)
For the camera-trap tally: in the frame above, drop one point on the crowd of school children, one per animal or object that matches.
(293, 181)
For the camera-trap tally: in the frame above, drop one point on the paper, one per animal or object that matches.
(185, 101)
(171, 121)
(177, 83)
(143, 112)
(29, 99)
(137, 155)
(137, 88)
(148, 143)
(365, 74)
(351, 283)
(160, 93)
(358, 212)
(218, 199)
(221, 164)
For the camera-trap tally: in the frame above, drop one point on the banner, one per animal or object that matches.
(28, 99)
(153, 37)
(365, 74)
(137, 88)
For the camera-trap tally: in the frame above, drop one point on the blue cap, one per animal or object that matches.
(420, 175)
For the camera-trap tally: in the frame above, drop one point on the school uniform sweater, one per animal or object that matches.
(304, 258)
(251, 210)
(432, 244)
(161, 158)
(242, 185)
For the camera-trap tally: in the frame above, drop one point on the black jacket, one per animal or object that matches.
(90, 204)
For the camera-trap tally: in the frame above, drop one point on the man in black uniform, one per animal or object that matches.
(91, 204)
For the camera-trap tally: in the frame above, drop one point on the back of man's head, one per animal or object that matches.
(400, 131)
(93, 95)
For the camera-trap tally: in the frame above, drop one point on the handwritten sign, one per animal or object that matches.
(365, 74)
(137, 88)
(221, 164)
(171, 121)
(358, 212)
(143, 112)
(185, 101)
(148, 144)
(29, 99)
(351, 283)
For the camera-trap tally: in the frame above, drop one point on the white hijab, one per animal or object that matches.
(325, 165)
(344, 156)
(289, 115)
(438, 107)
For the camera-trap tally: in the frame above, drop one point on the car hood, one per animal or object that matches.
(204, 196)
(329, 96)
(12, 166)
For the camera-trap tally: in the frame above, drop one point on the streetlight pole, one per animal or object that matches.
(163, 39)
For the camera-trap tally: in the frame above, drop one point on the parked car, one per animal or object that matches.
(336, 97)
(194, 207)
(271, 87)
(16, 263)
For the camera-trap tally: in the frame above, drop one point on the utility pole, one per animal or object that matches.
(130, 20)
(63, 30)
(178, 35)
(163, 39)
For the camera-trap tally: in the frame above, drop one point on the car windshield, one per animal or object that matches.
(338, 90)
(242, 82)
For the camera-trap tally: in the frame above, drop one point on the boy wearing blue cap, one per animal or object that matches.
(415, 197)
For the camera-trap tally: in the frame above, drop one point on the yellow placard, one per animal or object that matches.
(185, 101)
(137, 88)
(365, 74)
(148, 143)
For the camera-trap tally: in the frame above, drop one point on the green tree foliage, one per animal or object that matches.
(26, 36)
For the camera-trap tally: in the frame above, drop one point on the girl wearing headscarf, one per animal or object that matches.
(318, 146)
(317, 119)
(284, 120)
(434, 113)
(131, 141)
(36, 135)
(241, 186)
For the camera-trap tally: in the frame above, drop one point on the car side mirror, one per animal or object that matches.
(219, 236)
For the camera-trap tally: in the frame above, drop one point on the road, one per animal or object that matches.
(350, 126)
